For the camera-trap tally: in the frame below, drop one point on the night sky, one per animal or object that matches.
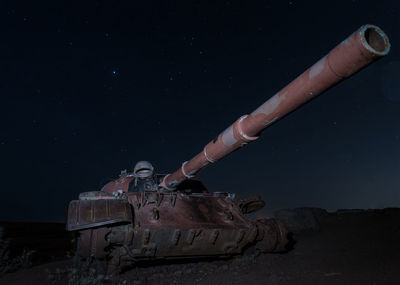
(88, 89)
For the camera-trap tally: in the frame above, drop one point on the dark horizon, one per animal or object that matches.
(89, 89)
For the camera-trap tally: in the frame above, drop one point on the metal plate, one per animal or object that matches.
(83, 214)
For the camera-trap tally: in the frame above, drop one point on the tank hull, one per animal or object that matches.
(153, 225)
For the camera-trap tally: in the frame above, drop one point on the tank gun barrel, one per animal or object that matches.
(366, 45)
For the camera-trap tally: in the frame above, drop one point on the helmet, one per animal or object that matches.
(143, 169)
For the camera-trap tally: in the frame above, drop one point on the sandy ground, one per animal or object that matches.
(360, 247)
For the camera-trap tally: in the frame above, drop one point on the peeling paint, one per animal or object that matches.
(317, 68)
(271, 121)
(271, 105)
(227, 137)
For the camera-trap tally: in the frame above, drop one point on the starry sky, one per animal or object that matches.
(90, 87)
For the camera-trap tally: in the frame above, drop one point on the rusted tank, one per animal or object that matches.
(144, 215)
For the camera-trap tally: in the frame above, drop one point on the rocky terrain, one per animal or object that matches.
(344, 247)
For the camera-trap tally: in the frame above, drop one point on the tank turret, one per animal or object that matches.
(143, 215)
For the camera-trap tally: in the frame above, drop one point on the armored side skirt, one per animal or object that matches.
(84, 214)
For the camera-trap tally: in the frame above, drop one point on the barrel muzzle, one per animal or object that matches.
(374, 40)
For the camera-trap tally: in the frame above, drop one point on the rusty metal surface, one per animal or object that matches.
(92, 242)
(121, 183)
(272, 236)
(250, 204)
(190, 242)
(363, 47)
(93, 213)
(95, 195)
(176, 224)
(168, 225)
(178, 210)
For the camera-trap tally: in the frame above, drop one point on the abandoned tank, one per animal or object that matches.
(143, 215)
